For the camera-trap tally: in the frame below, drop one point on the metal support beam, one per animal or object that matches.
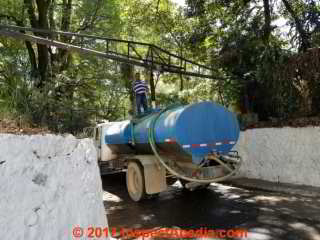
(160, 59)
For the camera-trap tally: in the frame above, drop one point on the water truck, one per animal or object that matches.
(192, 143)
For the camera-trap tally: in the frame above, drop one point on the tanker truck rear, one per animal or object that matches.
(192, 143)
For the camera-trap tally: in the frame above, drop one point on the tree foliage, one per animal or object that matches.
(242, 40)
(245, 42)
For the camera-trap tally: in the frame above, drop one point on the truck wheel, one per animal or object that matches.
(135, 181)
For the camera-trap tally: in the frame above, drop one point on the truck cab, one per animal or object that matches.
(108, 161)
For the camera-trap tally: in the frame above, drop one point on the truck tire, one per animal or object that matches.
(135, 181)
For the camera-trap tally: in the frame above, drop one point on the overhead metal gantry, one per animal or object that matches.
(136, 53)
(131, 52)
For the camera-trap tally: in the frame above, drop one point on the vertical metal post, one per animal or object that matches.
(181, 78)
(152, 85)
(81, 42)
(219, 91)
(128, 50)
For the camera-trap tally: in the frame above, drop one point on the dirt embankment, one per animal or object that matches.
(20, 128)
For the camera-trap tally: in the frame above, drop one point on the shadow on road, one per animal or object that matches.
(266, 215)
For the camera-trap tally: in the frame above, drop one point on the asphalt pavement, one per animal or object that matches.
(264, 214)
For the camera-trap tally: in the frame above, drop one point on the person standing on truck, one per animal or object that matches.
(140, 89)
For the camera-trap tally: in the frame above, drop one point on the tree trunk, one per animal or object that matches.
(64, 57)
(305, 43)
(43, 53)
(32, 56)
(33, 60)
(127, 75)
(181, 78)
(39, 22)
(152, 89)
(52, 22)
(66, 17)
(267, 22)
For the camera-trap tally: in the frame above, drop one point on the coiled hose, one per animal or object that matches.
(151, 139)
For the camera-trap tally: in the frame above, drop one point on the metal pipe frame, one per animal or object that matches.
(168, 62)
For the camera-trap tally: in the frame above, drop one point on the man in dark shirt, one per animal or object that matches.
(140, 89)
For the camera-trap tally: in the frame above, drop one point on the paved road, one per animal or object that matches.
(266, 215)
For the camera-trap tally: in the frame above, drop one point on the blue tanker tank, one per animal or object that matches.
(185, 133)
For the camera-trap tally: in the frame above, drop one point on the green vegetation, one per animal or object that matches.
(276, 67)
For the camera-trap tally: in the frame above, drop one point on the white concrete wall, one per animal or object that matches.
(286, 155)
(48, 185)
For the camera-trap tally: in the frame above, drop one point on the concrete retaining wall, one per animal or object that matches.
(286, 155)
(48, 185)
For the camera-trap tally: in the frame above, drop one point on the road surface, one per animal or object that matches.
(266, 215)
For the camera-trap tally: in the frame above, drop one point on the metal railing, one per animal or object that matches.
(131, 52)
